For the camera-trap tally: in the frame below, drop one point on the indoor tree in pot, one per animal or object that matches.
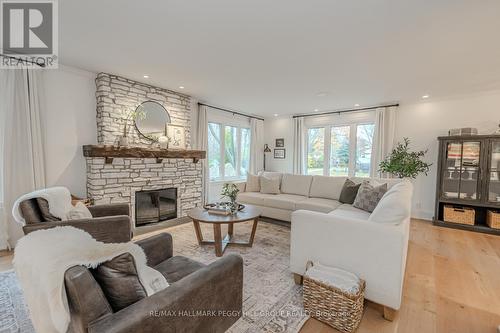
(404, 163)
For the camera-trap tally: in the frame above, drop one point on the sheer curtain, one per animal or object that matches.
(383, 137)
(256, 145)
(22, 158)
(298, 146)
(202, 144)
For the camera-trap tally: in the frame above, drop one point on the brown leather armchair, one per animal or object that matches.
(200, 298)
(109, 223)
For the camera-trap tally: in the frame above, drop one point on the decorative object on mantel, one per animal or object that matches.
(403, 163)
(138, 113)
(279, 153)
(164, 140)
(230, 191)
(153, 124)
(110, 152)
(266, 150)
(177, 137)
(462, 131)
(497, 132)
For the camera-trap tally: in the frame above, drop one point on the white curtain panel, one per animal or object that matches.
(256, 145)
(202, 144)
(22, 157)
(383, 137)
(298, 146)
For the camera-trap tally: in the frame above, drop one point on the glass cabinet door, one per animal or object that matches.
(494, 173)
(461, 172)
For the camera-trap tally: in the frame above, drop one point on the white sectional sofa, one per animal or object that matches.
(373, 246)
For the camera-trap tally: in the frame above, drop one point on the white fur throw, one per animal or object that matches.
(42, 257)
(59, 199)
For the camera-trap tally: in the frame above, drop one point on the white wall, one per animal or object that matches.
(422, 122)
(68, 122)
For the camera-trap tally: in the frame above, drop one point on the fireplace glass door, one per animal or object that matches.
(155, 206)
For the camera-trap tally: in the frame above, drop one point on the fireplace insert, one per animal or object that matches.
(155, 206)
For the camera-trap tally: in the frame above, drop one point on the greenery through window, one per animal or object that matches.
(228, 152)
(340, 150)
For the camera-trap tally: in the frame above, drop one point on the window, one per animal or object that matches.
(228, 152)
(315, 151)
(340, 150)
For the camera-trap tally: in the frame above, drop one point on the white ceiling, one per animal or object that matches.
(275, 56)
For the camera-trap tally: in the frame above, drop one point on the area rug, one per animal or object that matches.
(272, 303)
(14, 315)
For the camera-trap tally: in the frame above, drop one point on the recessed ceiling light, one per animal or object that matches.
(322, 94)
(181, 87)
(425, 96)
(275, 114)
(145, 76)
(356, 105)
(316, 110)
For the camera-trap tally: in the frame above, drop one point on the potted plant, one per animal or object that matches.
(404, 163)
(130, 115)
(230, 191)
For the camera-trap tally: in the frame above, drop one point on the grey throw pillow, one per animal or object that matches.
(349, 192)
(269, 185)
(368, 196)
(119, 281)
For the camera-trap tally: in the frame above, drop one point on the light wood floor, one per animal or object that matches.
(452, 285)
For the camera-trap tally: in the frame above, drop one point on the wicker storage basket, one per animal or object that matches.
(461, 215)
(332, 306)
(493, 219)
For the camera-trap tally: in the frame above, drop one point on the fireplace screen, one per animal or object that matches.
(155, 206)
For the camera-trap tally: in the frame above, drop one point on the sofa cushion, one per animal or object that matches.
(282, 201)
(119, 281)
(269, 185)
(296, 184)
(350, 212)
(368, 196)
(252, 198)
(349, 192)
(177, 267)
(318, 204)
(326, 187)
(395, 205)
(31, 211)
(253, 183)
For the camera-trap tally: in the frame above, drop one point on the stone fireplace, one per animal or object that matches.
(119, 175)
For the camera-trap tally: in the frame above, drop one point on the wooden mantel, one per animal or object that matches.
(109, 152)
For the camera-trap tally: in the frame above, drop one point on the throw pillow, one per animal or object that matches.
(395, 205)
(79, 211)
(349, 192)
(368, 196)
(269, 185)
(44, 210)
(119, 281)
(253, 183)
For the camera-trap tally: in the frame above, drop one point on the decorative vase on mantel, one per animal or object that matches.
(123, 141)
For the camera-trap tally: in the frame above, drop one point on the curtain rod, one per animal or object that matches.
(344, 111)
(230, 111)
(22, 60)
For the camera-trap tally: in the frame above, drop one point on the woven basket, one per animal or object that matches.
(461, 215)
(333, 306)
(493, 219)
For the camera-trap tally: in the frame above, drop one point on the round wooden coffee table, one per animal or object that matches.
(200, 215)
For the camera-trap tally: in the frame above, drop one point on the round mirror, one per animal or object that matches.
(151, 120)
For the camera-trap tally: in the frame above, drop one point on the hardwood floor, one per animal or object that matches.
(452, 284)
